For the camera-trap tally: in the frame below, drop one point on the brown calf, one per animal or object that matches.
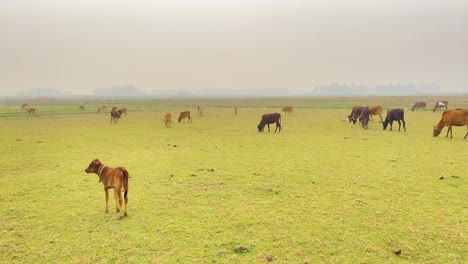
(288, 110)
(183, 115)
(31, 111)
(452, 118)
(24, 106)
(112, 178)
(168, 119)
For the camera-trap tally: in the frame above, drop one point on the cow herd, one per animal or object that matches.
(456, 117)
(363, 114)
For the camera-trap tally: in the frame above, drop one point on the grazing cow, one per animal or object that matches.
(376, 110)
(101, 109)
(235, 109)
(364, 117)
(31, 111)
(268, 119)
(200, 110)
(82, 107)
(355, 113)
(24, 106)
(452, 118)
(288, 110)
(395, 115)
(115, 115)
(168, 119)
(183, 115)
(419, 105)
(439, 104)
(112, 178)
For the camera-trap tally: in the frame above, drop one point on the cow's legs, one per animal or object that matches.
(448, 130)
(399, 125)
(107, 199)
(404, 124)
(391, 125)
(268, 127)
(116, 198)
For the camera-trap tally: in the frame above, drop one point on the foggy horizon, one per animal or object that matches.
(79, 46)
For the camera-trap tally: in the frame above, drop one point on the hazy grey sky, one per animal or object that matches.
(78, 45)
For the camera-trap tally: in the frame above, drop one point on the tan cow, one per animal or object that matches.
(123, 110)
(168, 119)
(112, 178)
(452, 118)
(24, 106)
(101, 109)
(376, 110)
(200, 110)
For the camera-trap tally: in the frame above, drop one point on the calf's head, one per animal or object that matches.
(260, 127)
(385, 124)
(436, 131)
(93, 166)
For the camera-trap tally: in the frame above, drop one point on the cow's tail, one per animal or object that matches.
(125, 181)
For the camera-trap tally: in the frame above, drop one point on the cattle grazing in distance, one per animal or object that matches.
(268, 119)
(364, 117)
(355, 113)
(82, 107)
(31, 111)
(168, 119)
(200, 110)
(376, 110)
(395, 115)
(288, 110)
(101, 109)
(183, 115)
(439, 104)
(24, 106)
(123, 110)
(235, 110)
(115, 115)
(112, 178)
(419, 105)
(452, 118)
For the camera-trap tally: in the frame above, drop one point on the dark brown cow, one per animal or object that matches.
(183, 115)
(268, 119)
(168, 119)
(452, 118)
(376, 110)
(112, 178)
(288, 110)
(123, 110)
(24, 106)
(101, 108)
(419, 105)
(115, 115)
(31, 111)
(364, 117)
(82, 107)
(355, 113)
(439, 104)
(395, 115)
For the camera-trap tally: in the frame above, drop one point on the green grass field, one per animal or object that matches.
(321, 191)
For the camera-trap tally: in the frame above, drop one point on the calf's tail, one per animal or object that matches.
(125, 181)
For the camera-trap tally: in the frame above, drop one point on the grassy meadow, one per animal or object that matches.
(321, 191)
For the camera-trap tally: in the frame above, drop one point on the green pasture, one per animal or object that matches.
(321, 191)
